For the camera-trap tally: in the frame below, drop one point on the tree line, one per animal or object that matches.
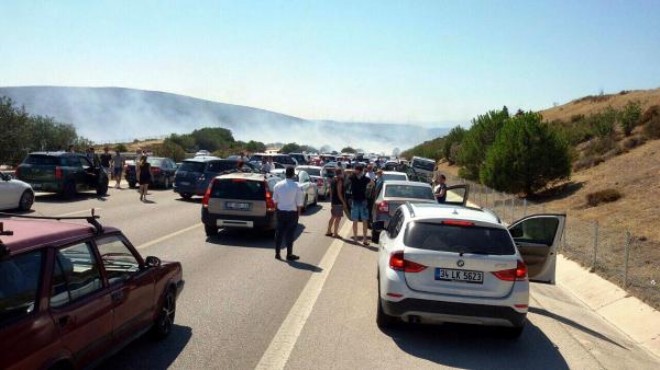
(22, 133)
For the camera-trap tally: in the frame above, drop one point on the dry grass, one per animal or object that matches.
(602, 196)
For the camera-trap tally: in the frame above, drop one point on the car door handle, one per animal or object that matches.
(117, 296)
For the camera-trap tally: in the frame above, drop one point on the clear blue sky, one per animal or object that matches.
(404, 61)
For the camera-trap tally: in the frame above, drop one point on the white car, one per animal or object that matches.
(15, 194)
(445, 263)
(395, 175)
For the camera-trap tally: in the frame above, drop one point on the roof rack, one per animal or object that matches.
(91, 219)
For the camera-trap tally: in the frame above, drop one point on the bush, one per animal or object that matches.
(602, 123)
(603, 196)
(525, 156)
(633, 142)
(478, 139)
(651, 121)
(452, 141)
(600, 145)
(629, 116)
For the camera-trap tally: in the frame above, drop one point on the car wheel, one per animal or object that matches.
(210, 230)
(513, 333)
(384, 320)
(131, 184)
(69, 190)
(27, 199)
(186, 196)
(375, 236)
(165, 319)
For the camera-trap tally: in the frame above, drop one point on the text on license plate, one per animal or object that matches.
(238, 206)
(466, 276)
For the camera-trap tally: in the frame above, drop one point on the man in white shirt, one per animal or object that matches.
(288, 199)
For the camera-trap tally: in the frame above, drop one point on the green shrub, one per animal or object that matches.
(478, 139)
(600, 145)
(603, 196)
(629, 116)
(451, 143)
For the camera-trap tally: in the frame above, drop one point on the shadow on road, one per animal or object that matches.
(80, 197)
(146, 353)
(249, 238)
(304, 266)
(569, 322)
(312, 210)
(474, 347)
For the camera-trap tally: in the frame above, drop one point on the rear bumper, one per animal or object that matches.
(440, 311)
(189, 189)
(47, 186)
(267, 222)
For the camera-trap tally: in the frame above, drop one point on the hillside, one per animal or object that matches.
(121, 115)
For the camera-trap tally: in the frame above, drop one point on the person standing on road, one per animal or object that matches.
(105, 158)
(117, 167)
(337, 203)
(288, 199)
(265, 165)
(369, 173)
(359, 212)
(440, 190)
(144, 177)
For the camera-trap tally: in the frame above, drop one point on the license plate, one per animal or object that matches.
(464, 276)
(237, 206)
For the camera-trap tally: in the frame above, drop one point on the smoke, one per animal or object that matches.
(122, 115)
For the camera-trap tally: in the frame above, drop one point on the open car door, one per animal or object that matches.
(538, 238)
(457, 194)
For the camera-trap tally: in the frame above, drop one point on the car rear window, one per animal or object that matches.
(284, 159)
(394, 176)
(239, 189)
(312, 171)
(459, 239)
(408, 191)
(42, 159)
(221, 166)
(423, 165)
(192, 166)
(19, 285)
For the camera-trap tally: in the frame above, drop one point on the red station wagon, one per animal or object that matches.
(74, 293)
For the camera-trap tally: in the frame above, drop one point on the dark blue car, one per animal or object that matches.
(194, 175)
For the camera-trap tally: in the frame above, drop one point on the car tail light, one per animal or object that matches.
(270, 204)
(519, 273)
(58, 172)
(399, 263)
(207, 195)
(383, 207)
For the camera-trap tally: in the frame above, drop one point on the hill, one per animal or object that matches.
(121, 115)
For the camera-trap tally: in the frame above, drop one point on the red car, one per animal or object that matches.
(73, 293)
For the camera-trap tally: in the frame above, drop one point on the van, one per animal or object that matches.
(422, 169)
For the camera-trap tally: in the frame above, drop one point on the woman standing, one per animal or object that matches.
(144, 177)
(338, 203)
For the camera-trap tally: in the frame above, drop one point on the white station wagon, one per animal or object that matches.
(449, 263)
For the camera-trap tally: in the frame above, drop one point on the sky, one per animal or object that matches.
(425, 62)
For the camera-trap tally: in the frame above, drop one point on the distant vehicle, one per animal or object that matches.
(321, 177)
(63, 173)
(392, 194)
(391, 166)
(72, 294)
(422, 169)
(15, 194)
(202, 153)
(284, 159)
(301, 158)
(309, 187)
(439, 263)
(163, 170)
(195, 174)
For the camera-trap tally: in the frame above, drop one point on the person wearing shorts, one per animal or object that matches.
(359, 212)
(117, 167)
(337, 203)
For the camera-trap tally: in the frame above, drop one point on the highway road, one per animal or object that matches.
(243, 309)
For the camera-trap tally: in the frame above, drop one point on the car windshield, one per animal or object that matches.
(408, 191)
(19, 283)
(42, 159)
(192, 166)
(155, 162)
(459, 239)
(239, 189)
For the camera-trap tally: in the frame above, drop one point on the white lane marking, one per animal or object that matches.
(280, 348)
(162, 238)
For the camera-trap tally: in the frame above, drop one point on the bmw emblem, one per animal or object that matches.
(460, 263)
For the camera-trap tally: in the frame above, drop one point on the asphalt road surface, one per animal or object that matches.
(243, 309)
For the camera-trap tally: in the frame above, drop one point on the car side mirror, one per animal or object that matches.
(378, 226)
(152, 261)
